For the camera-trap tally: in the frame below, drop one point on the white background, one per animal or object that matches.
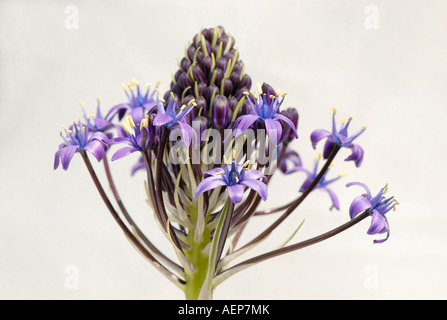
(393, 79)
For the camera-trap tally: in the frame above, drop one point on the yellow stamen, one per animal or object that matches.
(234, 154)
(259, 88)
(147, 85)
(246, 163)
(246, 93)
(183, 107)
(192, 101)
(90, 116)
(220, 172)
(278, 92)
(344, 174)
(237, 179)
(82, 104)
(130, 122)
(253, 94)
(124, 86)
(134, 81)
(334, 110)
(98, 101)
(364, 127)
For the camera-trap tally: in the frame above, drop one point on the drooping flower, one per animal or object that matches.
(377, 207)
(174, 115)
(322, 184)
(340, 138)
(138, 105)
(78, 138)
(236, 177)
(265, 109)
(138, 137)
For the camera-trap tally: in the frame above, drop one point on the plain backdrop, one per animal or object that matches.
(382, 62)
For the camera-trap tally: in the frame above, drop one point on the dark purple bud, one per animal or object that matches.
(227, 87)
(217, 74)
(200, 124)
(210, 91)
(201, 87)
(191, 52)
(201, 105)
(184, 64)
(221, 111)
(268, 89)
(184, 81)
(232, 102)
(288, 134)
(222, 63)
(206, 64)
(240, 92)
(198, 74)
(245, 82)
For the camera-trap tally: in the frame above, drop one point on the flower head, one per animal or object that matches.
(340, 138)
(78, 138)
(265, 109)
(138, 137)
(138, 105)
(377, 206)
(235, 177)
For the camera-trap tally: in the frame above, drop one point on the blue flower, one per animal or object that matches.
(138, 104)
(377, 206)
(78, 138)
(340, 138)
(265, 108)
(235, 177)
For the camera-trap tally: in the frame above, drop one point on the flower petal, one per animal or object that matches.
(288, 121)
(208, 184)
(259, 186)
(244, 122)
(123, 152)
(333, 196)
(96, 148)
(364, 186)
(318, 135)
(236, 193)
(359, 205)
(253, 174)
(378, 223)
(161, 119)
(356, 155)
(274, 130)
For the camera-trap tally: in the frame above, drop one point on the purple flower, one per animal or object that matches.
(235, 177)
(138, 137)
(138, 104)
(322, 184)
(78, 138)
(340, 138)
(265, 109)
(174, 115)
(98, 122)
(377, 206)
